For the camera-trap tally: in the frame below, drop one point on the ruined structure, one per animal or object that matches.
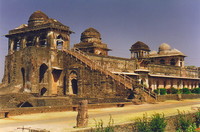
(41, 63)
(82, 117)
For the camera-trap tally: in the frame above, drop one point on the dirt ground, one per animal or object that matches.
(66, 121)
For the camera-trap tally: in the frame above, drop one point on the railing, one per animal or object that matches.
(123, 79)
(93, 65)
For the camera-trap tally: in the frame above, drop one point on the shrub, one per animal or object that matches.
(185, 91)
(157, 123)
(174, 91)
(196, 90)
(197, 118)
(184, 123)
(142, 124)
(163, 91)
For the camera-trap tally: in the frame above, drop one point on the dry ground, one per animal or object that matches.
(65, 121)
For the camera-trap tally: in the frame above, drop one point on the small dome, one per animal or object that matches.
(90, 35)
(139, 46)
(164, 47)
(37, 18)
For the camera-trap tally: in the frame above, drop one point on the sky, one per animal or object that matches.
(120, 22)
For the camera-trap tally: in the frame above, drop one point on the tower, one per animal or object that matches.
(139, 50)
(91, 42)
(32, 50)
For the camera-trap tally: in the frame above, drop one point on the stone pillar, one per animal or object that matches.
(11, 45)
(37, 41)
(82, 117)
(51, 40)
(23, 43)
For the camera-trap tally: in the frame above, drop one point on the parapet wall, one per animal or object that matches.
(178, 97)
(44, 109)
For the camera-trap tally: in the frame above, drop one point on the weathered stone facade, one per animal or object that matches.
(40, 62)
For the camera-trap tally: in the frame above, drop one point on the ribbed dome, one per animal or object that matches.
(37, 18)
(164, 47)
(139, 46)
(90, 35)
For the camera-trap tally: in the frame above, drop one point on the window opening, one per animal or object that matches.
(162, 61)
(59, 42)
(16, 45)
(56, 74)
(29, 41)
(172, 62)
(43, 41)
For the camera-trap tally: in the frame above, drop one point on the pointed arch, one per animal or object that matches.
(74, 86)
(73, 82)
(42, 71)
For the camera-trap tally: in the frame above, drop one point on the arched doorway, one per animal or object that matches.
(43, 69)
(73, 83)
(74, 86)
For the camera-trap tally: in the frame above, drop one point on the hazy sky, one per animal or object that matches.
(120, 22)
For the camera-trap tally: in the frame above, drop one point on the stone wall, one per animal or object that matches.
(51, 72)
(44, 109)
(115, 64)
(92, 83)
(177, 97)
(14, 99)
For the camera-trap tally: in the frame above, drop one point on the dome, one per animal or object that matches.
(139, 46)
(90, 35)
(37, 18)
(164, 47)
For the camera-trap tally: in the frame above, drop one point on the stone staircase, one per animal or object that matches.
(122, 79)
